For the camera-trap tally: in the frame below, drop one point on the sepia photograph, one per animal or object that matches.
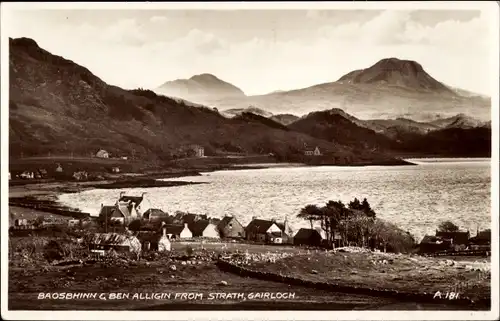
(250, 160)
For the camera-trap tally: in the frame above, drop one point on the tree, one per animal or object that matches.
(448, 226)
(362, 206)
(311, 213)
(355, 204)
(335, 213)
(365, 207)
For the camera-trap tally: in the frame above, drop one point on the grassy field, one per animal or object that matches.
(388, 271)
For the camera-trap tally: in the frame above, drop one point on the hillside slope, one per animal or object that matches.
(60, 107)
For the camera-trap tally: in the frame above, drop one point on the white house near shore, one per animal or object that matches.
(186, 232)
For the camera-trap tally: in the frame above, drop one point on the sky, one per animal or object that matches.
(261, 51)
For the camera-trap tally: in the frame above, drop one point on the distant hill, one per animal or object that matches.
(253, 110)
(398, 136)
(450, 142)
(459, 121)
(200, 89)
(285, 119)
(57, 106)
(391, 88)
(254, 118)
(386, 126)
(335, 126)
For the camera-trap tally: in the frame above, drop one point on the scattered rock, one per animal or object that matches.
(314, 272)
(223, 283)
(173, 267)
(183, 263)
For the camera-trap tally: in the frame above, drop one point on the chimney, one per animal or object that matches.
(254, 218)
(273, 220)
(102, 205)
(186, 225)
(164, 229)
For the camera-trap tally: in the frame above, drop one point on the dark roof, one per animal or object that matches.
(198, 227)
(260, 226)
(307, 233)
(225, 221)
(189, 218)
(457, 237)
(174, 228)
(155, 212)
(136, 199)
(484, 235)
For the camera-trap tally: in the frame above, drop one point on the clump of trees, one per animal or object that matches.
(356, 224)
(448, 226)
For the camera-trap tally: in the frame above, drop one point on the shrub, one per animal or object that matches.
(189, 250)
(53, 251)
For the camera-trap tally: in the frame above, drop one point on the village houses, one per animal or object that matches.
(203, 228)
(268, 231)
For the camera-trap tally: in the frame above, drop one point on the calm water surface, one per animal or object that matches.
(416, 198)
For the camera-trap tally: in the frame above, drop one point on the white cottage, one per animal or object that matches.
(186, 232)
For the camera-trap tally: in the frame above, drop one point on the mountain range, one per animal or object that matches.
(391, 88)
(57, 106)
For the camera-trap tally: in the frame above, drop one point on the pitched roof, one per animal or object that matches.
(198, 227)
(259, 226)
(225, 221)
(136, 199)
(307, 233)
(189, 218)
(458, 237)
(111, 239)
(429, 239)
(124, 208)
